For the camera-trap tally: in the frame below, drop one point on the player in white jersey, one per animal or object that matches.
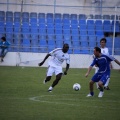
(104, 50)
(58, 56)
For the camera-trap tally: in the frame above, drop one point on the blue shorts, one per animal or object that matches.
(103, 77)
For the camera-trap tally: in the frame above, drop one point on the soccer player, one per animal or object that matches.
(103, 62)
(55, 64)
(3, 48)
(104, 50)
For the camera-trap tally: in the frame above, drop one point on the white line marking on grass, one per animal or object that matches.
(38, 99)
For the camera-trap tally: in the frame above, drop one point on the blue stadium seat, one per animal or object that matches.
(98, 28)
(116, 23)
(9, 24)
(9, 19)
(50, 26)
(50, 31)
(42, 37)
(82, 16)
(17, 20)
(2, 19)
(76, 51)
(75, 26)
(17, 36)
(107, 28)
(58, 21)
(50, 37)
(66, 21)
(74, 22)
(98, 38)
(66, 31)
(67, 37)
(33, 15)
(113, 17)
(25, 30)
(25, 35)
(41, 15)
(17, 14)
(34, 35)
(106, 17)
(59, 43)
(33, 25)
(58, 31)
(99, 33)
(90, 22)
(17, 29)
(33, 20)
(42, 31)
(75, 37)
(98, 16)
(74, 32)
(58, 26)
(66, 27)
(90, 27)
(9, 35)
(98, 22)
(91, 16)
(57, 16)
(26, 45)
(82, 22)
(117, 28)
(25, 25)
(25, 20)
(83, 32)
(50, 21)
(2, 14)
(73, 16)
(59, 37)
(51, 42)
(117, 42)
(42, 43)
(91, 32)
(76, 43)
(25, 15)
(66, 16)
(42, 26)
(34, 30)
(49, 15)
(9, 29)
(9, 14)
(2, 29)
(84, 41)
(83, 27)
(106, 22)
(70, 51)
(41, 20)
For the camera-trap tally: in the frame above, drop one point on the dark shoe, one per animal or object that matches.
(2, 60)
(107, 88)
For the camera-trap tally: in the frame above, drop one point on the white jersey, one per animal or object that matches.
(58, 57)
(105, 51)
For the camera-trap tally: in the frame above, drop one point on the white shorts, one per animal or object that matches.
(54, 70)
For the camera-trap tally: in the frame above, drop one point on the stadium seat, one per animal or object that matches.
(9, 36)
(91, 27)
(106, 22)
(117, 42)
(9, 19)
(66, 32)
(73, 16)
(25, 15)
(50, 26)
(74, 22)
(50, 37)
(90, 22)
(57, 16)
(33, 20)
(2, 14)
(74, 32)
(82, 22)
(49, 15)
(76, 51)
(58, 21)
(113, 17)
(26, 35)
(59, 43)
(99, 28)
(41, 15)
(99, 33)
(34, 35)
(66, 27)
(41, 20)
(107, 28)
(17, 14)
(25, 30)
(25, 20)
(115, 22)
(42, 26)
(42, 31)
(117, 28)
(59, 37)
(42, 37)
(50, 31)
(74, 26)
(66, 22)
(2, 19)
(9, 14)
(50, 21)
(82, 16)
(98, 16)
(66, 16)
(83, 32)
(75, 37)
(58, 31)
(83, 27)
(17, 20)
(58, 26)
(106, 17)
(91, 32)
(33, 15)
(98, 22)
(91, 16)
(76, 43)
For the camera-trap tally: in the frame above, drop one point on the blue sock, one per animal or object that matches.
(92, 93)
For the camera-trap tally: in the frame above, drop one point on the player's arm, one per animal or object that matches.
(118, 62)
(40, 64)
(67, 67)
(88, 72)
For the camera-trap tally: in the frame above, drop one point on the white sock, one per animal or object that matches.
(97, 85)
(107, 82)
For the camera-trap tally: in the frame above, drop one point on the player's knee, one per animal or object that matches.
(100, 83)
(91, 82)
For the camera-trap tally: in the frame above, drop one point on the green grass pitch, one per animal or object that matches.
(23, 96)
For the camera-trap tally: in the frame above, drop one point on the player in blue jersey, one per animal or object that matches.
(103, 62)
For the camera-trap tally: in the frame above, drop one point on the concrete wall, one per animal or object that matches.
(32, 60)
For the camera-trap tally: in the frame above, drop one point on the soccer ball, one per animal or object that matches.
(76, 87)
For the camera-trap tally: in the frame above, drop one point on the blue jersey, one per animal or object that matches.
(4, 45)
(103, 62)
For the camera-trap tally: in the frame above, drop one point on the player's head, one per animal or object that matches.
(103, 42)
(97, 51)
(3, 38)
(65, 48)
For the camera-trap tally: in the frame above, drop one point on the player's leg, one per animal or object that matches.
(1, 54)
(58, 73)
(50, 72)
(96, 70)
(106, 87)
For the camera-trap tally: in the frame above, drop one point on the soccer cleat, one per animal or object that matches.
(2, 60)
(89, 95)
(106, 88)
(100, 94)
(50, 89)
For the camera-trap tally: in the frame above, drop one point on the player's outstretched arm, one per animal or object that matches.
(67, 67)
(118, 62)
(88, 72)
(40, 64)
